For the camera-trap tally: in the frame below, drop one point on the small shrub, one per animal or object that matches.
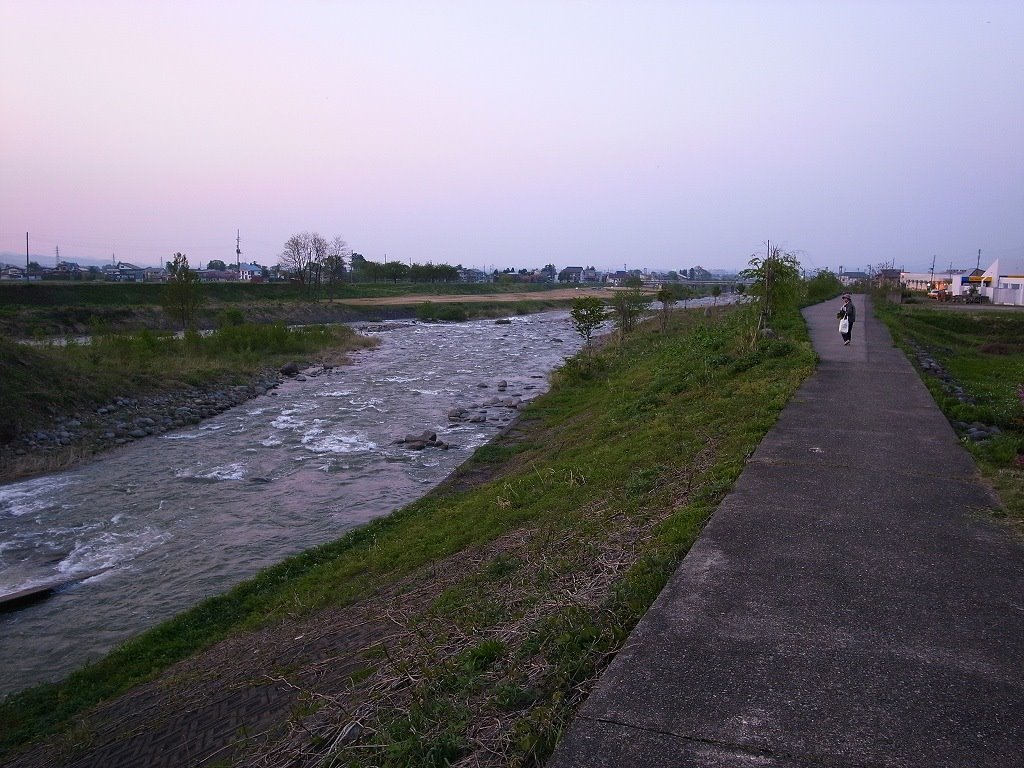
(231, 317)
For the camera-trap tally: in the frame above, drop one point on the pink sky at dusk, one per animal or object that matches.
(652, 134)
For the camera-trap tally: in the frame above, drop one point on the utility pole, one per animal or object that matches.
(26, 255)
(58, 257)
(978, 265)
(238, 251)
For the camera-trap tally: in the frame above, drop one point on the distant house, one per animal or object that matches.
(570, 275)
(474, 276)
(11, 272)
(849, 278)
(699, 273)
(123, 272)
(250, 272)
(618, 277)
(69, 270)
(888, 276)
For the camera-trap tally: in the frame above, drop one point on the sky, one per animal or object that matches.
(637, 134)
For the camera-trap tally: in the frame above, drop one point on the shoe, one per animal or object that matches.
(846, 343)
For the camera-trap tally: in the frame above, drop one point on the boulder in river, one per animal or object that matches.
(426, 439)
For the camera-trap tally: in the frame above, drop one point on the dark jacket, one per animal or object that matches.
(848, 311)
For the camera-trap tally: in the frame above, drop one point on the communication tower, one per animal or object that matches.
(238, 251)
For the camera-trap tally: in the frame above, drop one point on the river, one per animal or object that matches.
(173, 519)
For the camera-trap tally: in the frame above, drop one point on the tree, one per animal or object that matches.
(216, 264)
(627, 306)
(371, 270)
(446, 273)
(395, 271)
(823, 286)
(182, 294)
(356, 261)
(306, 255)
(776, 285)
(776, 281)
(667, 297)
(587, 313)
(296, 256)
(684, 294)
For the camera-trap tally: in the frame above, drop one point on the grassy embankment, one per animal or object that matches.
(55, 309)
(544, 551)
(984, 352)
(45, 381)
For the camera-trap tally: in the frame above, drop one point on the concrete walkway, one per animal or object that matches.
(849, 604)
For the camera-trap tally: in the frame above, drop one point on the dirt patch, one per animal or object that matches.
(564, 294)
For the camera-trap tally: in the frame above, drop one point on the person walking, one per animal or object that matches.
(846, 314)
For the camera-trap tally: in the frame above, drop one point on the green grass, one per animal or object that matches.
(984, 352)
(576, 529)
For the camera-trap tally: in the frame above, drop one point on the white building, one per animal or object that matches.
(954, 281)
(250, 272)
(1003, 281)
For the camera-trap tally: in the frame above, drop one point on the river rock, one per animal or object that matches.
(424, 437)
(423, 440)
(290, 369)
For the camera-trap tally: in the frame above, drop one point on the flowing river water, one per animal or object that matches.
(171, 520)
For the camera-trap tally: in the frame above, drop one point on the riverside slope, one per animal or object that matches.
(851, 602)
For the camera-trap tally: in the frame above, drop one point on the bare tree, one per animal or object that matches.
(296, 254)
(334, 264)
(318, 250)
(312, 259)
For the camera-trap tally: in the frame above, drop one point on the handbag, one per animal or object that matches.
(844, 325)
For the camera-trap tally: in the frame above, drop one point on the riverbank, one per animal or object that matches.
(65, 404)
(29, 321)
(66, 440)
(468, 625)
